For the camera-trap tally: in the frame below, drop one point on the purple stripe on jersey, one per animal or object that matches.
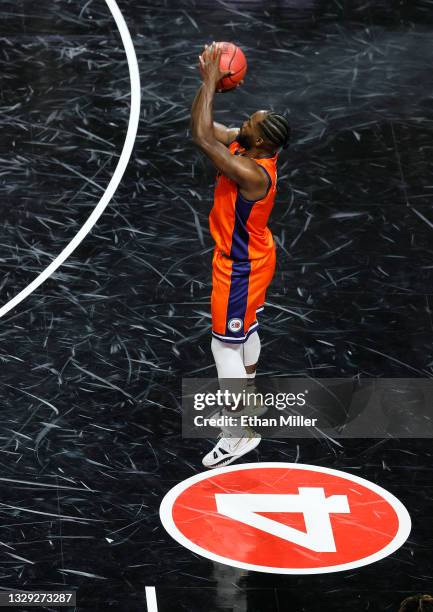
(240, 237)
(238, 297)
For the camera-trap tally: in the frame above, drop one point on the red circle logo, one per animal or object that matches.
(285, 518)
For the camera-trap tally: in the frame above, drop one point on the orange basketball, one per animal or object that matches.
(233, 59)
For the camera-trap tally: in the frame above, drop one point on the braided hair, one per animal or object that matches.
(276, 129)
(417, 603)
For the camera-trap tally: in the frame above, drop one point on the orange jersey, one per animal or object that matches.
(244, 259)
(239, 226)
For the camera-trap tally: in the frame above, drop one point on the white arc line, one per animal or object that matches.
(131, 133)
(152, 605)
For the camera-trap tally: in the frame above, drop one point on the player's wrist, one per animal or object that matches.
(209, 84)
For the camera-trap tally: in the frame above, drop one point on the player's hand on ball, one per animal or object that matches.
(209, 64)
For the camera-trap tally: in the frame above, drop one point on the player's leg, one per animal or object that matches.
(236, 365)
(235, 440)
(262, 272)
(228, 305)
(228, 359)
(250, 354)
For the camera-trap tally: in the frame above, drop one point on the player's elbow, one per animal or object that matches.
(198, 138)
(201, 142)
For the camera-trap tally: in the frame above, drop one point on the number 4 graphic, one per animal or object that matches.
(310, 501)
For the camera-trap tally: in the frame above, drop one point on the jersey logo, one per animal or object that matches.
(235, 325)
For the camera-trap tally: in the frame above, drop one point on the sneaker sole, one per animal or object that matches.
(254, 442)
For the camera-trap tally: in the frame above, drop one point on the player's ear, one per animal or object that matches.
(259, 141)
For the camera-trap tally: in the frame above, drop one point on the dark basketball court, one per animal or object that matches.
(93, 359)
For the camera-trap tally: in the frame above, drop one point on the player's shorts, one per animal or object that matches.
(238, 293)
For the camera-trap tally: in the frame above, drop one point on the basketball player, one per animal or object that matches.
(244, 258)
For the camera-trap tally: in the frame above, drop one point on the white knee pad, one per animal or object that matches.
(228, 359)
(251, 349)
(232, 375)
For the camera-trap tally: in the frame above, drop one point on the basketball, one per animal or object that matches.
(233, 59)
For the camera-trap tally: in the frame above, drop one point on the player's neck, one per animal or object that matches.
(257, 154)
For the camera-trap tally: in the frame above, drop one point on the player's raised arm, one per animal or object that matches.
(224, 134)
(241, 170)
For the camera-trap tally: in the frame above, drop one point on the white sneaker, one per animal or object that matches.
(229, 448)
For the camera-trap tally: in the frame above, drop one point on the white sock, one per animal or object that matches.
(251, 352)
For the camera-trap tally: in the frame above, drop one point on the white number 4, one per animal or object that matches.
(310, 501)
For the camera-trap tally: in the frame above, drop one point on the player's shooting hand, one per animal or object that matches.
(209, 64)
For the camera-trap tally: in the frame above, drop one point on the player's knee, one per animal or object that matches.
(217, 348)
(222, 351)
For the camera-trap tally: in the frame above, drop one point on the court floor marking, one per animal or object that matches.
(152, 605)
(125, 155)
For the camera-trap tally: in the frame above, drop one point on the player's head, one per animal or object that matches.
(417, 603)
(264, 130)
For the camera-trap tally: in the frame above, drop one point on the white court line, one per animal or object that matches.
(152, 605)
(131, 133)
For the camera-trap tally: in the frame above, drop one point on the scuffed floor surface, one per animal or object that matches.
(92, 361)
